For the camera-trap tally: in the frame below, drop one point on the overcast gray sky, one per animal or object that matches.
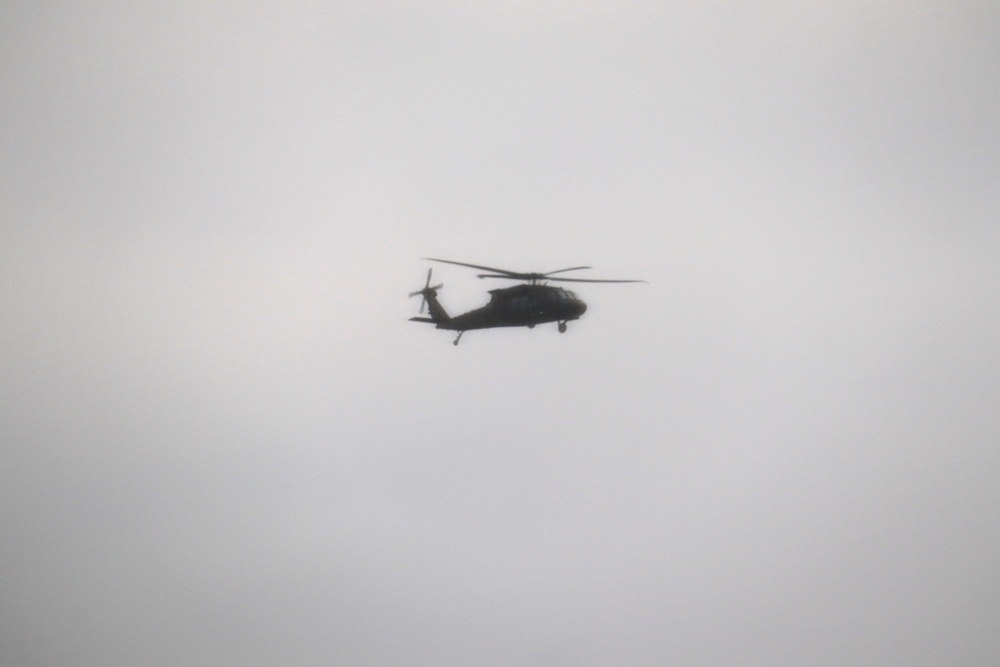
(224, 444)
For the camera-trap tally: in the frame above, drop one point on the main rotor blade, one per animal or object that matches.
(505, 276)
(475, 266)
(530, 276)
(518, 275)
(575, 268)
(593, 280)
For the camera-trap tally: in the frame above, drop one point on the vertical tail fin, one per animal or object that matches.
(430, 301)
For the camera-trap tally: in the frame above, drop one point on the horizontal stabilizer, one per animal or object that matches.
(423, 319)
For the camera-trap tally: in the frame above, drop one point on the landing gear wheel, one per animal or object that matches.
(458, 338)
(562, 327)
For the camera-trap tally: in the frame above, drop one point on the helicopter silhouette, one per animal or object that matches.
(524, 305)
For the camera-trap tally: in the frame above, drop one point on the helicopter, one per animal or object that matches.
(525, 305)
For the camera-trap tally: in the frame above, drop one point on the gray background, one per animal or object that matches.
(223, 444)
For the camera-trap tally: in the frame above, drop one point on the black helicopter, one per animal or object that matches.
(525, 305)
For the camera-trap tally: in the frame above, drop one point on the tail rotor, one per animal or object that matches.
(428, 290)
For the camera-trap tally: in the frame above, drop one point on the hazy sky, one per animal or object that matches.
(224, 444)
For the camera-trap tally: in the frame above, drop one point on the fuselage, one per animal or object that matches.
(520, 306)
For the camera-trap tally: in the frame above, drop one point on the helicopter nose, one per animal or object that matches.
(579, 308)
